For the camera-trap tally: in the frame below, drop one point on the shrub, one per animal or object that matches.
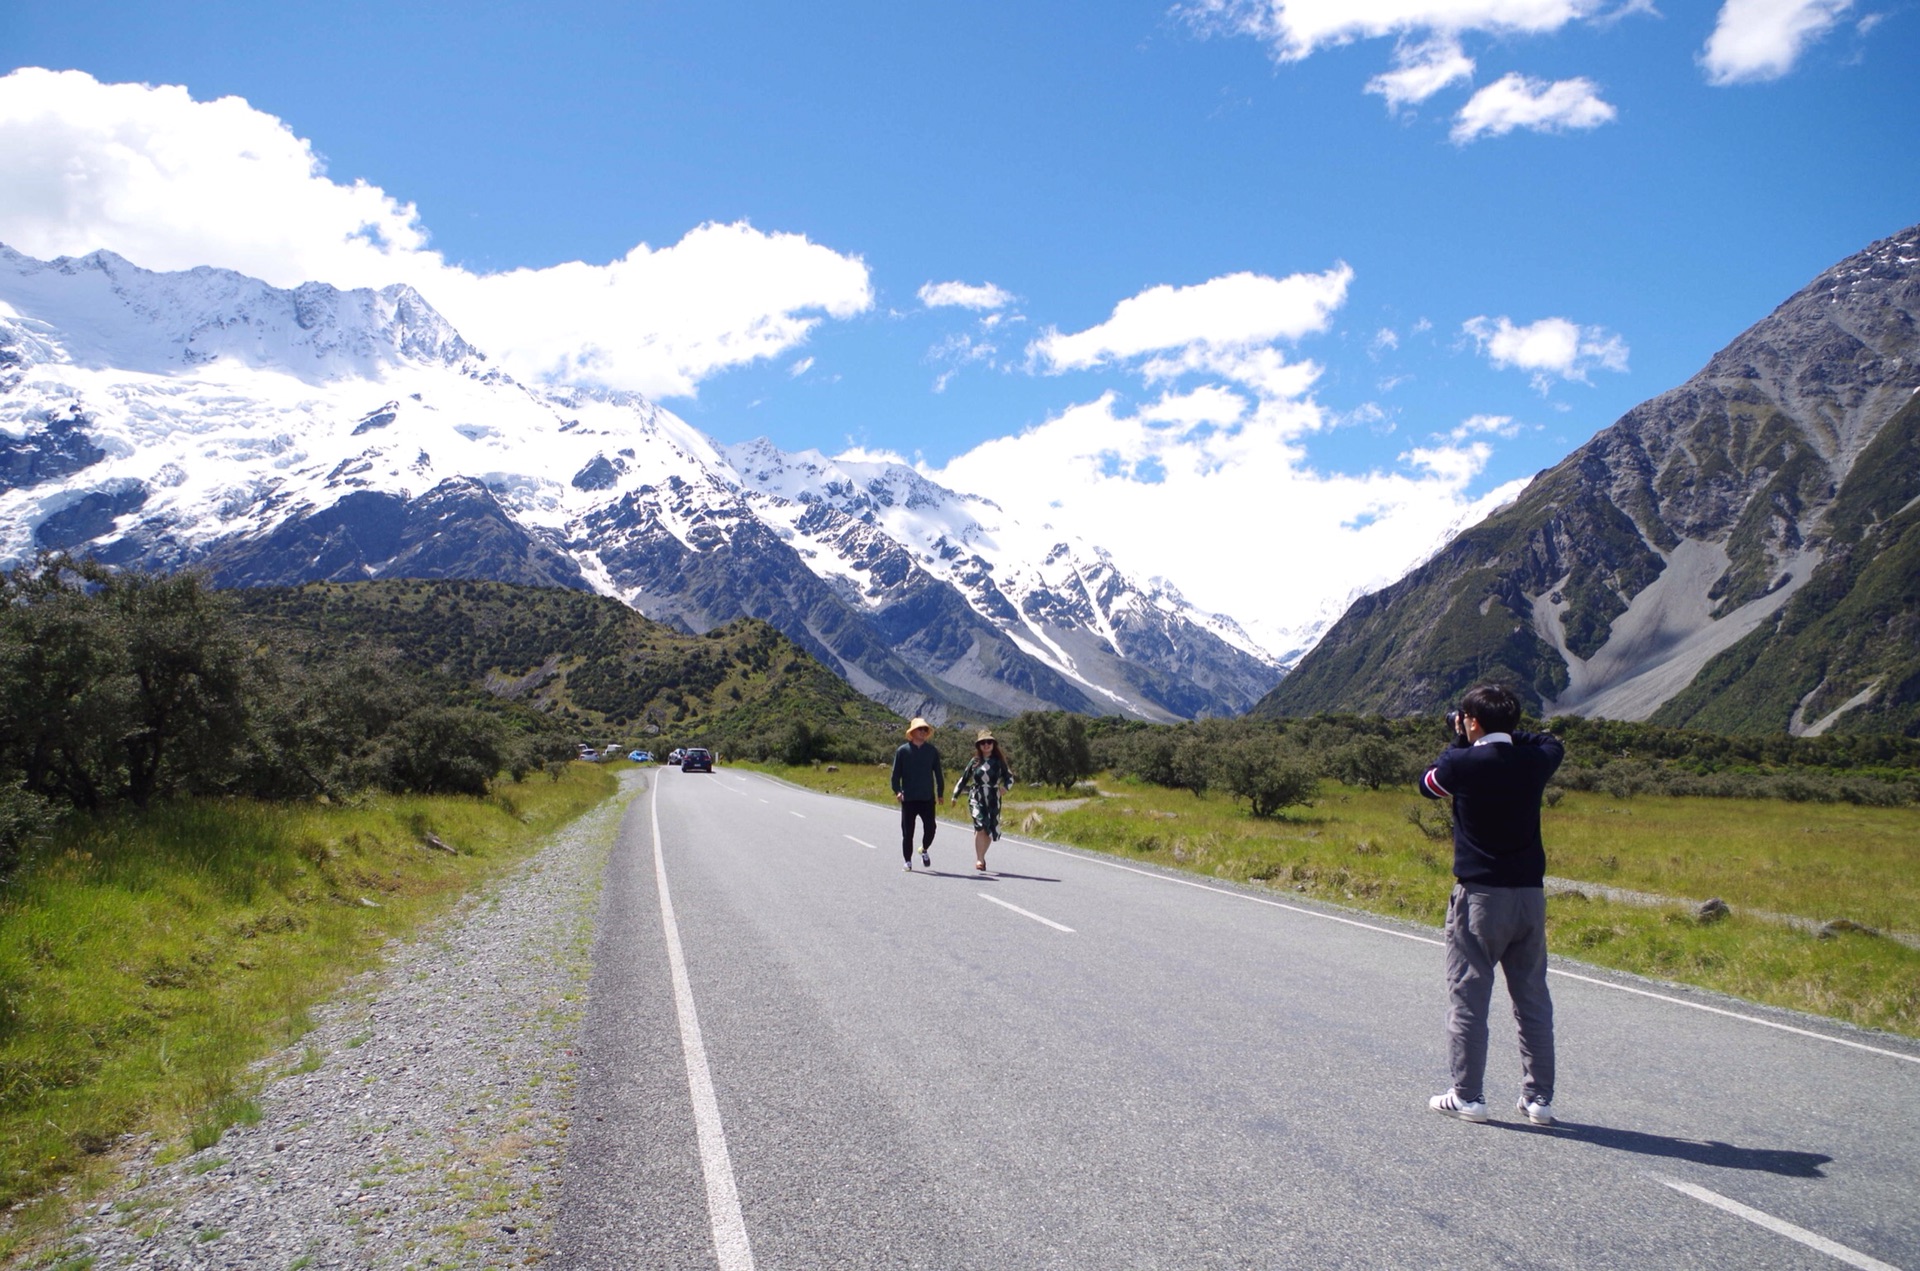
(1268, 774)
(1052, 748)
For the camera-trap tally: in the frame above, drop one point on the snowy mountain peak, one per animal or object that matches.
(277, 435)
(108, 312)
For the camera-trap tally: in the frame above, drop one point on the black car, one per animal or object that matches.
(697, 759)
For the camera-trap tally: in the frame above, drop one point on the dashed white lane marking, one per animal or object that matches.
(1779, 1226)
(1026, 913)
(861, 842)
(801, 815)
(1407, 935)
(723, 1194)
(761, 800)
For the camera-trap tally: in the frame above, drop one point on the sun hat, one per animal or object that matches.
(986, 734)
(917, 725)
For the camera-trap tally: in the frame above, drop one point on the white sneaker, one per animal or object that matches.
(1452, 1105)
(908, 866)
(1535, 1111)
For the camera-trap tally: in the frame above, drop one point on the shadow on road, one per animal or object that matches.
(991, 875)
(1699, 1152)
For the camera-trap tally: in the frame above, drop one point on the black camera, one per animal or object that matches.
(1457, 728)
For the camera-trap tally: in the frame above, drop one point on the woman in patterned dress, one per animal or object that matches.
(986, 775)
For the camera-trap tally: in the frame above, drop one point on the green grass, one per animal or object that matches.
(1357, 847)
(146, 961)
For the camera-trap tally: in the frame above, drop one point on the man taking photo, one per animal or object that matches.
(1497, 915)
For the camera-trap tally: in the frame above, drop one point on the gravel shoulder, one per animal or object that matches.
(431, 1132)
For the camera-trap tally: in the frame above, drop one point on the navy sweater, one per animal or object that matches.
(1496, 787)
(917, 773)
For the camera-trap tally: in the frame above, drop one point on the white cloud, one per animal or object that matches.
(1520, 101)
(1210, 468)
(800, 367)
(171, 183)
(1477, 425)
(1384, 340)
(1296, 28)
(1762, 39)
(935, 295)
(1422, 68)
(959, 351)
(1548, 348)
(1213, 324)
(863, 454)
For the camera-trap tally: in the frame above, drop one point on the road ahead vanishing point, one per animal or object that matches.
(799, 1056)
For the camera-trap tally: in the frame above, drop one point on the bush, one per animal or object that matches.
(1268, 774)
(1370, 761)
(1052, 748)
(444, 750)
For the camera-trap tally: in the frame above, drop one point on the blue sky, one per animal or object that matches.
(1670, 174)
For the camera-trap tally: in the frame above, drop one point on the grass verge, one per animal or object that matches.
(147, 960)
(1362, 848)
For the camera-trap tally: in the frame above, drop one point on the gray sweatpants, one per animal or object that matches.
(1504, 927)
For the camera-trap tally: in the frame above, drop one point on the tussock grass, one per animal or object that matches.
(147, 960)
(1365, 848)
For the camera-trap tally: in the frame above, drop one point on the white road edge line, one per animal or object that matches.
(861, 842)
(1779, 1226)
(1026, 914)
(723, 1195)
(1407, 935)
(1715, 1010)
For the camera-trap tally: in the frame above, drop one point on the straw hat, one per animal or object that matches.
(986, 734)
(917, 725)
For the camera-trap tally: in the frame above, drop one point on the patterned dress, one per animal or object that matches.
(983, 781)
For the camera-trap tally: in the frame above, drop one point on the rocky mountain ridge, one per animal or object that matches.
(276, 437)
(1709, 559)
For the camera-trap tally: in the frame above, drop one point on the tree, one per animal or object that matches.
(1052, 748)
(1370, 761)
(64, 693)
(1193, 763)
(1268, 774)
(445, 750)
(185, 668)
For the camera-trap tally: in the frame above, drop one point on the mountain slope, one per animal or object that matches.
(1708, 559)
(277, 437)
(611, 673)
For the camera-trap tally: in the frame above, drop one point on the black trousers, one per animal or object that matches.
(910, 810)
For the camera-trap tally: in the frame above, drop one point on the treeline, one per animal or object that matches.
(1273, 763)
(595, 666)
(123, 688)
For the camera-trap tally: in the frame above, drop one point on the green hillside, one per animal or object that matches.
(590, 661)
(1856, 622)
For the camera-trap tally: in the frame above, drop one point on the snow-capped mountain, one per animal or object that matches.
(277, 436)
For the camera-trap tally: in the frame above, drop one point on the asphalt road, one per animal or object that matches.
(907, 1070)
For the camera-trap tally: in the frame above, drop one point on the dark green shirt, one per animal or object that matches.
(917, 773)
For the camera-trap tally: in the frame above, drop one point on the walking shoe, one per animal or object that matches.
(1452, 1105)
(907, 865)
(1537, 1111)
(923, 859)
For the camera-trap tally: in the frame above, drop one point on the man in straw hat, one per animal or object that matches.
(917, 780)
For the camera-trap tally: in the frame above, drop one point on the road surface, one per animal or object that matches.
(808, 1058)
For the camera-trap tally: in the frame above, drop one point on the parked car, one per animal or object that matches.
(697, 759)
(639, 756)
(589, 755)
(676, 757)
